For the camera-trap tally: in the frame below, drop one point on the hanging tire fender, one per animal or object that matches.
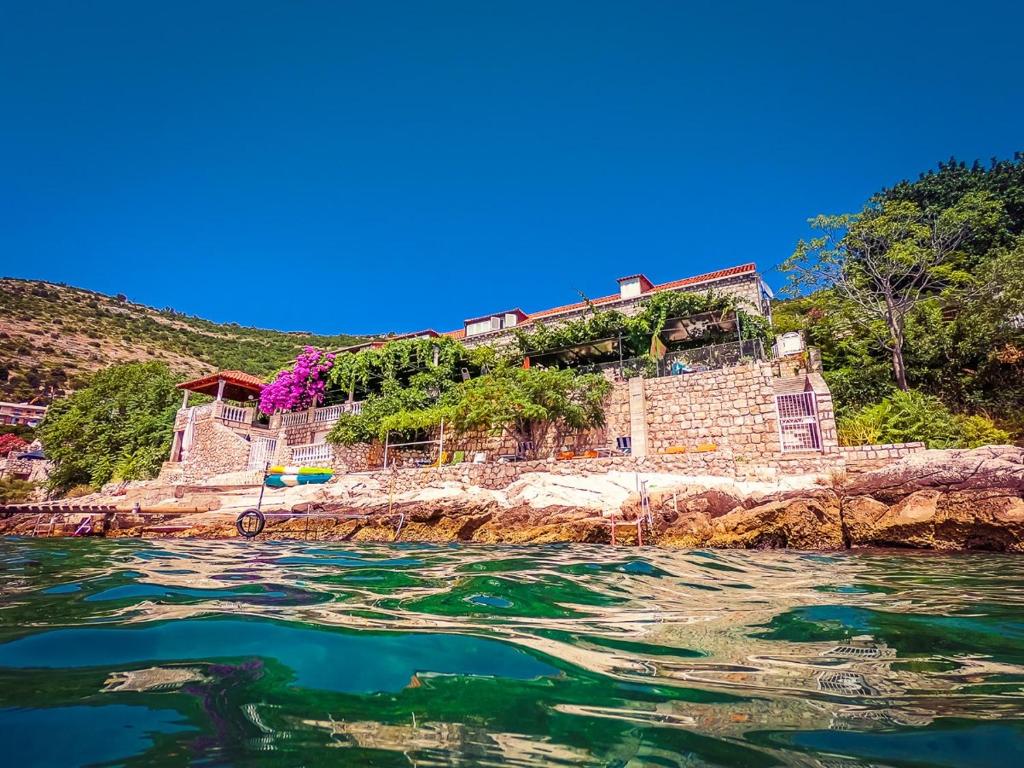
(250, 523)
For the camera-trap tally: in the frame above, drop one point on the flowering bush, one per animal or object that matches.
(9, 442)
(300, 386)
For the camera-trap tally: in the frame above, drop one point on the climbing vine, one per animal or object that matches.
(637, 330)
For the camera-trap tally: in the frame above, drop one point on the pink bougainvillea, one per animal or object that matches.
(301, 386)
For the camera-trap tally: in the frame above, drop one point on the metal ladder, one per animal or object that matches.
(41, 529)
(644, 519)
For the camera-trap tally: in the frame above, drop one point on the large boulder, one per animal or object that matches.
(990, 519)
(997, 466)
(804, 523)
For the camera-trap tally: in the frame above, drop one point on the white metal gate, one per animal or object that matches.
(799, 429)
(261, 451)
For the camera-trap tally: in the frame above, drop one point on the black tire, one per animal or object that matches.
(250, 523)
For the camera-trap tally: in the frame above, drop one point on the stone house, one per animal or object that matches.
(736, 404)
(742, 282)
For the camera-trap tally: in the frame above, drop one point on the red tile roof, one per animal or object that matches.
(238, 378)
(708, 277)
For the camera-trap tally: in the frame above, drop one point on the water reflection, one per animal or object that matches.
(288, 653)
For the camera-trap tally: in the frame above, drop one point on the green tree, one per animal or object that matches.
(886, 261)
(942, 188)
(531, 404)
(117, 427)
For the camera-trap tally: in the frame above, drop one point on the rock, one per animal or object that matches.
(812, 523)
(1000, 466)
(991, 519)
(962, 499)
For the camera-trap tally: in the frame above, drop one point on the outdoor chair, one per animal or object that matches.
(624, 444)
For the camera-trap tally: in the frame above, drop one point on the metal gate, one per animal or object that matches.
(799, 429)
(261, 451)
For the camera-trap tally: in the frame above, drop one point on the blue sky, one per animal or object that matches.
(357, 167)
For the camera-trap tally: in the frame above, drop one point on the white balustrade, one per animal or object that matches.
(327, 415)
(294, 419)
(331, 413)
(235, 413)
(312, 454)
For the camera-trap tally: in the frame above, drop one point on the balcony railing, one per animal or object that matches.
(312, 454)
(712, 357)
(236, 413)
(294, 419)
(326, 415)
(707, 358)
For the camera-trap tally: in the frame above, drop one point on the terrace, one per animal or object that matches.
(704, 342)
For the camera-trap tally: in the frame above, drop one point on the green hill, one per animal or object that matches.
(50, 335)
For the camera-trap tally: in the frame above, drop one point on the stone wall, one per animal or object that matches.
(729, 414)
(732, 409)
(216, 450)
(496, 476)
(32, 470)
(864, 458)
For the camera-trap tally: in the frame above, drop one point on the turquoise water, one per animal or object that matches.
(174, 653)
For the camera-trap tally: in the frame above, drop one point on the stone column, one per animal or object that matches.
(637, 416)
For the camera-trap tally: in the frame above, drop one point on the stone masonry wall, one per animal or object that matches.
(732, 409)
(724, 420)
(216, 450)
(497, 476)
(864, 458)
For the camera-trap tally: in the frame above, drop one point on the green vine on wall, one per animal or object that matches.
(637, 330)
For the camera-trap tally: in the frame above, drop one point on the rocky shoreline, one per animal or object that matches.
(942, 500)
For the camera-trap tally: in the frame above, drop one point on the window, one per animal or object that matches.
(492, 323)
(480, 326)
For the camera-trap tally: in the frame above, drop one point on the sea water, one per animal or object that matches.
(178, 652)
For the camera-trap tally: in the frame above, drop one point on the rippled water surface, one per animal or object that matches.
(290, 653)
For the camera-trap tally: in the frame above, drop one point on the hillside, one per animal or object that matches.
(50, 335)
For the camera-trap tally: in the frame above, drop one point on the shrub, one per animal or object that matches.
(77, 491)
(906, 417)
(15, 491)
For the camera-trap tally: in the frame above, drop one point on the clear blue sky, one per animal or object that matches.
(399, 165)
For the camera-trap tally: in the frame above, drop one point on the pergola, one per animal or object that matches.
(586, 353)
(680, 329)
(676, 331)
(224, 385)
